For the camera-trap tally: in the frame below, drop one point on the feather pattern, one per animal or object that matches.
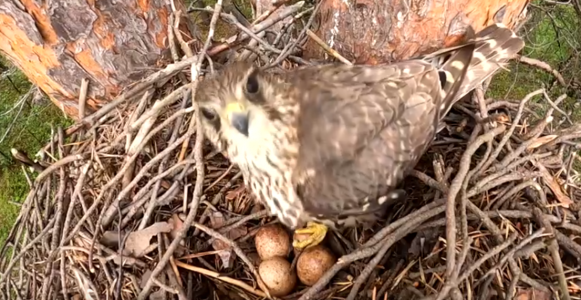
(363, 128)
(331, 143)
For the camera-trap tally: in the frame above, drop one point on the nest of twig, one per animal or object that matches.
(132, 203)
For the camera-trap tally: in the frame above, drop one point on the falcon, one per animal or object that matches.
(327, 146)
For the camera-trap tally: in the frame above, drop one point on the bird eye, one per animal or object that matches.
(208, 113)
(252, 84)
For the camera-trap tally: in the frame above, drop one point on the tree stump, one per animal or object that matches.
(372, 32)
(111, 43)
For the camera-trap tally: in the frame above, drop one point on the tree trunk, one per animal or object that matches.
(371, 32)
(111, 43)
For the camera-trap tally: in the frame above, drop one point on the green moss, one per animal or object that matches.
(13, 188)
(29, 133)
(555, 34)
(223, 29)
(552, 36)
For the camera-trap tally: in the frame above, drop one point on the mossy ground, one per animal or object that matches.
(552, 37)
(30, 130)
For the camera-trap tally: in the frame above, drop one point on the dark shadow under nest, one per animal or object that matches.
(498, 183)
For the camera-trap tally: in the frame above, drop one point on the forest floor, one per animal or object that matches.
(552, 36)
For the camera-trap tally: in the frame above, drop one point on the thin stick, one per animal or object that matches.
(257, 215)
(199, 160)
(494, 251)
(554, 249)
(56, 165)
(389, 241)
(217, 275)
(544, 66)
(326, 47)
(513, 251)
(455, 187)
(512, 288)
(85, 284)
(109, 213)
(83, 97)
(429, 181)
(24, 249)
(515, 122)
(230, 243)
(409, 223)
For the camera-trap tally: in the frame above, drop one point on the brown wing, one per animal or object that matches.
(343, 108)
(357, 127)
(362, 128)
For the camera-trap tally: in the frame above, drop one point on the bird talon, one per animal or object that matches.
(317, 233)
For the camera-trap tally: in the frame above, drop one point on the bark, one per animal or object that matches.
(371, 32)
(111, 43)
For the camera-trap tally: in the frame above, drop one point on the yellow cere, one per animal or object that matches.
(234, 107)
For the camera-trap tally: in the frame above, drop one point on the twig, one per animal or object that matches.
(554, 249)
(217, 198)
(554, 105)
(171, 38)
(189, 219)
(569, 245)
(512, 288)
(83, 97)
(552, 184)
(455, 187)
(86, 285)
(57, 165)
(230, 243)
(326, 47)
(257, 215)
(512, 214)
(9, 128)
(165, 287)
(249, 32)
(508, 135)
(199, 160)
(144, 84)
(429, 181)
(494, 251)
(407, 226)
(513, 252)
(60, 212)
(288, 48)
(514, 176)
(387, 243)
(185, 47)
(544, 66)
(158, 106)
(109, 213)
(520, 187)
(221, 277)
(39, 237)
(380, 235)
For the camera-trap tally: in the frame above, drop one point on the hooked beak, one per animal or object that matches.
(238, 117)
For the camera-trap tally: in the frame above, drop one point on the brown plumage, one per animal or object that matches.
(331, 143)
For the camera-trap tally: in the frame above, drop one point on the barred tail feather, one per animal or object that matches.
(464, 67)
(495, 46)
(452, 74)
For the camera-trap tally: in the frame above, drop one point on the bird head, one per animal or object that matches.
(245, 109)
(252, 115)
